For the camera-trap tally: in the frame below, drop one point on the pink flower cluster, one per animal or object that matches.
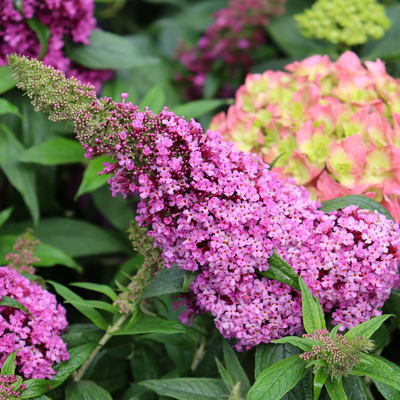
(337, 123)
(72, 19)
(7, 391)
(236, 32)
(221, 210)
(38, 336)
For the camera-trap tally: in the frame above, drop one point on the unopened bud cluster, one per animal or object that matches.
(8, 388)
(340, 354)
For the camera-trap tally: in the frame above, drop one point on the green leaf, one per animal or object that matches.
(392, 306)
(85, 390)
(43, 33)
(387, 391)
(21, 176)
(367, 328)
(281, 271)
(154, 98)
(234, 368)
(97, 288)
(334, 331)
(188, 388)
(197, 108)
(274, 161)
(355, 388)
(189, 277)
(136, 392)
(102, 305)
(107, 50)
(207, 368)
(386, 48)
(79, 334)
(145, 364)
(278, 379)
(311, 313)
(165, 282)
(304, 344)
(6, 82)
(362, 202)
(91, 179)
(379, 370)
(8, 367)
(50, 256)
(54, 152)
(155, 325)
(17, 384)
(77, 356)
(319, 381)
(88, 312)
(35, 387)
(5, 215)
(41, 397)
(74, 237)
(135, 318)
(381, 338)
(226, 377)
(335, 389)
(10, 302)
(7, 108)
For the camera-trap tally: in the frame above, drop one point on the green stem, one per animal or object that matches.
(101, 343)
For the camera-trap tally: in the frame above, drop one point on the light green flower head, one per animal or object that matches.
(348, 22)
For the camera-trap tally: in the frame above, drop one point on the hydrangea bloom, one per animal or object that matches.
(215, 207)
(345, 22)
(72, 19)
(337, 123)
(236, 32)
(38, 336)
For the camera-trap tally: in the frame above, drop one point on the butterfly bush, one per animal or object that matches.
(220, 211)
(7, 389)
(345, 22)
(71, 19)
(236, 32)
(337, 124)
(36, 335)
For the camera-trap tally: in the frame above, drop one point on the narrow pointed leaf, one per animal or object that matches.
(43, 33)
(355, 388)
(102, 305)
(10, 302)
(304, 344)
(278, 379)
(7, 108)
(8, 367)
(5, 215)
(274, 161)
(228, 380)
(188, 279)
(335, 389)
(85, 390)
(319, 381)
(154, 98)
(6, 82)
(334, 331)
(367, 328)
(363, 202)
(97, 288)
(311, 316)
(387, 391)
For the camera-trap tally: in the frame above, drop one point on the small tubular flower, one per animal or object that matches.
(337, 124)
(346, 22)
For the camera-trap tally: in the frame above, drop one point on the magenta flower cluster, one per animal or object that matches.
(7, 391)
(237, 31)
(38, 334)
(72, 19)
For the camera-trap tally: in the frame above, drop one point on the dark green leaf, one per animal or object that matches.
(304, 344)
(367, 328)
(278, 379)
(136, 392)
(128, 268)
(387, 391)
(312, 319)
(91, 179)
(5, 215)
(6, 82)
(88, 312)
(274, 161)
(392, 306)
(381, 337)
(386, 48)
(188, 388)
(42, 397)
(77, 356)
(50, 256)
(155, 325)
(54, 152)
(10, 302)
(7, 108)
(197, 108)
(334, 331)
(234, 368)
(377, 369)
(21, 176)
(189, 277)
(225, 376)
(281, 271)
(79, 334)
(74, 237)
(165, 282)
(97, 288)
(335, 389)
(207, 367)
(85, 390)
(319, 381)
(355, 388)
(43, 33)
(145, 365)
(154, 98)
(362, 202)
(35, 387)
(102, 305)
(108, 50)
(8, 367)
